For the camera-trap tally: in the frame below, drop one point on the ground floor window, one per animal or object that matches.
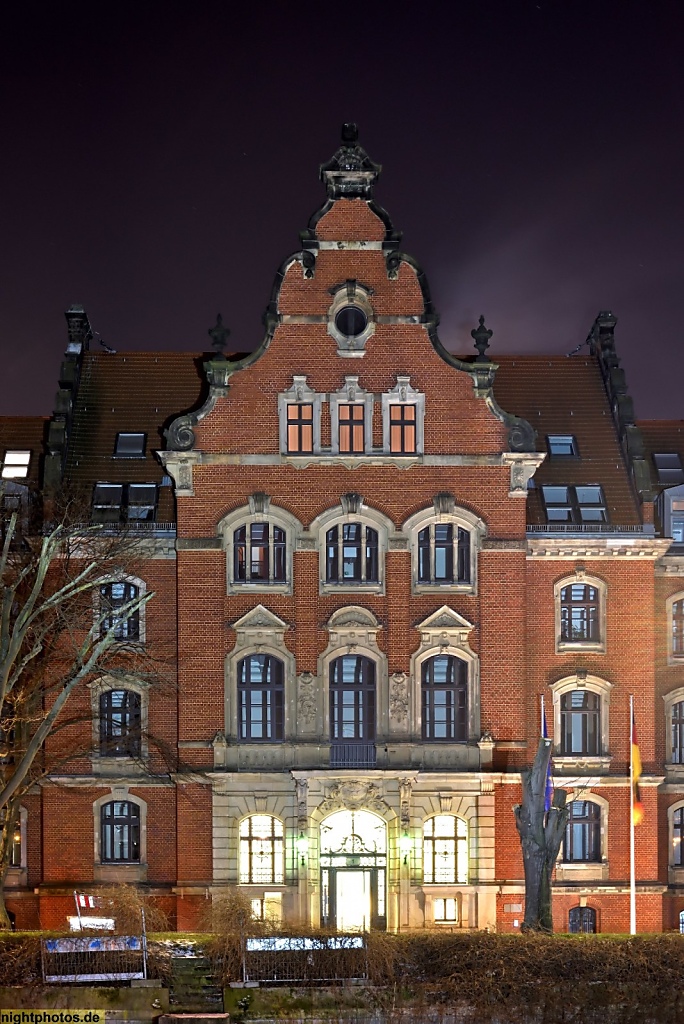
(582, 920)
(447, 910)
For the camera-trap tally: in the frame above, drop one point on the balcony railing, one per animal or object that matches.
(638, 529)
(352, 755)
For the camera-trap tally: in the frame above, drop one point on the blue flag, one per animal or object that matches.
(548, 795)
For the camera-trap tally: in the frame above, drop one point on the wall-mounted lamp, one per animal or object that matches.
(405, 846)
(302, 844)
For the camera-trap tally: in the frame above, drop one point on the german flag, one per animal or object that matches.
(637, 806)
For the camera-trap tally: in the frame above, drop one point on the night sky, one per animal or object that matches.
(159, 160)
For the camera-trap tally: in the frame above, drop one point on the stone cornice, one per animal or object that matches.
(607, 546)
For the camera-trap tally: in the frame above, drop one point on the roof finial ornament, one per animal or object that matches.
(219, 335)
(350, 133)
(481, 337)
(350, 173)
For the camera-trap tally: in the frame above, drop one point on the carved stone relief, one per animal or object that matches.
(398, 699)
(306, 699)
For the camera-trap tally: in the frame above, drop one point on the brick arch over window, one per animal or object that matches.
(580, 612)
(259, 520)
(445, 541)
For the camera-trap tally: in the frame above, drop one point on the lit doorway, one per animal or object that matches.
(353, 871)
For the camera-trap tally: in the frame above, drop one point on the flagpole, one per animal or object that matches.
(632, 868)
(541, 730)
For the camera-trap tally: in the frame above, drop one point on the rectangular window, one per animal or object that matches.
(402, 429)
(351, 428)
(15, 465)
(669, 468)
(562, 444)
(107, 501)
(299, 428)
(115, 503)
(130, 446)
(583, 503)
(446, 910)
(142, 499)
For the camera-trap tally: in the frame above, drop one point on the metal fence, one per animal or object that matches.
(284, 959)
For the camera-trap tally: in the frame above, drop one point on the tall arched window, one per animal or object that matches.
(260, 698)
(352, 711)
(445, 850)
(120, 723)
(677, 754)
(445, 698)
(114, 596)
(582, 840)
(580, 722)
(582, 920)
(120, 832)
(443, 554)
(579, 609)
(678, 629)
(262, 850)
(351, 554)
(678, 838)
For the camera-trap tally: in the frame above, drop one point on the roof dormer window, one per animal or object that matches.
(564, 445)
(669, 468)
(129, 446)
(15, 465)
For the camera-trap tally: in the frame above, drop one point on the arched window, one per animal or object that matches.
(115, 595)
(352, 699)
(351, 554)
(443, 554)
(120, 723)
(582, 840)
(262, 850)
(120, 832)
(579, 614)
(260, 698)
(445, 698)
(678, 628)
(445, 850)
(582, 920)
(580, 723)
(259, 553)
(678, 838)
(678, 733)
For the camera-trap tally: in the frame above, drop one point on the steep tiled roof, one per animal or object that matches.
(136, 392)
(562, 395)
(25, 433)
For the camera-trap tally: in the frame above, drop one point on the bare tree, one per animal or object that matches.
(56, 634)
(541, 833)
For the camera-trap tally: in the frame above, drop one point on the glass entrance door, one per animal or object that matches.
(353, 871)
(353, 901)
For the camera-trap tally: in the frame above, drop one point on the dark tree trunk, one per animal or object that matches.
(541, 834)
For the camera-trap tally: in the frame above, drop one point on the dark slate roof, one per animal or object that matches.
(25, 433)
(566, 395)
(136, 392)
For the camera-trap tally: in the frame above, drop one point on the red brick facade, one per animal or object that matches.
(405, 758)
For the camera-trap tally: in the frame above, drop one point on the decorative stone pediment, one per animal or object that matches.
(445, 628)
(258, 629)
(352, 795)
(352, 627)
(353, 617)
(259, 618)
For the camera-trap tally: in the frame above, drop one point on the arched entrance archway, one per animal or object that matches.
(353, 871)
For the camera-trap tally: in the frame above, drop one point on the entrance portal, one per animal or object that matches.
(353, 871)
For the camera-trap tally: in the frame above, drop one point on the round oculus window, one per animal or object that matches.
(351, 321)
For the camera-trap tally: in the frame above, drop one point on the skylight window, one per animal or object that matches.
(15, 465)
(130, 446)
(669, 469)
(580, 504)
(562, 444)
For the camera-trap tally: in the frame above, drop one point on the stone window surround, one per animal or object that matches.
(351, 293)
(142, 617)
(445, 510)
(260, 632)
(105, 763)
(675, 874)
(259, 510)
(351, 394)
(434, 887)
(444, 632)
(403, 394)
(579, 646)
(576, 871)
(275, 886)
(581, 763)
(670, 699)
(111, 872)
(353, 630)
(18, 875)
(300, 394)
(672, 659)
(340, 515)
